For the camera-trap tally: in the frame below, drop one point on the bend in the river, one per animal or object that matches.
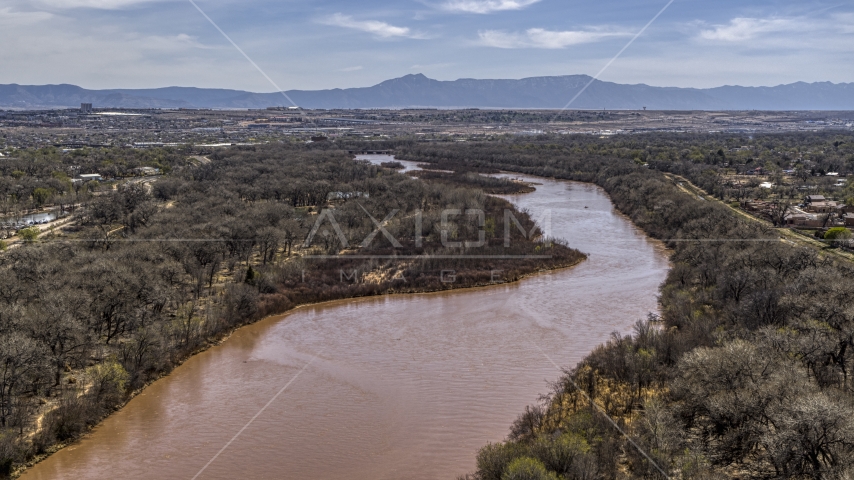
(403, 386)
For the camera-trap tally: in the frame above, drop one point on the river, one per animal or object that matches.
(402, 386)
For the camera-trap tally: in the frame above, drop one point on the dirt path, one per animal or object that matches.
(15, 241)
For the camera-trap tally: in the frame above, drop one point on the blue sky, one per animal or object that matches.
(331, 43)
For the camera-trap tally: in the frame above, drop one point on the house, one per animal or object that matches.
(820, 204)
(345, 195)
(88, 177)
(822, 207)
(806, 220)
(849, 219)
(148, 171)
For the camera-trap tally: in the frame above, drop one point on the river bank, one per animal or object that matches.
(278, 315)
(423, 378)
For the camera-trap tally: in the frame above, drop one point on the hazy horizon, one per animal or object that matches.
(135, 44)
(771, 85)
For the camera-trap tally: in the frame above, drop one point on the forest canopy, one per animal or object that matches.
(746, 372)
(147, 273)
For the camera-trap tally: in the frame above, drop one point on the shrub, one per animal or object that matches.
(10, 452)
(559, 454)
(838, 235)
(29, 235)
(109, 380)
(527, 468)
(494, 459)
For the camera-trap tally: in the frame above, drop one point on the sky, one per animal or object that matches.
(321, 44)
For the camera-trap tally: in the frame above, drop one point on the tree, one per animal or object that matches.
(268, 243)
(29, 235)
(109, 380)
(54, 327)
(291, 232)
(812, 437)
(838, 236)
(23, 366)
(105, 211)
(41, 196)
(779, 209)
(527, 468)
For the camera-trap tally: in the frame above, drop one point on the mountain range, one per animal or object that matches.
(413, 91)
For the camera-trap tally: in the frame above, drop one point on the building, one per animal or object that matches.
(849, 219)
(148, 171)
(88, 177)
(822, 207)
(805, 220)
(820, 204)
(86, 107)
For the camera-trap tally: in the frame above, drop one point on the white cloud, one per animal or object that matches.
(485, 6)
(114, 56)
(845, 21)
(380, 29)
(742, 29)
(173, 43)
(541, 38)
(351, 69)
(13, 18)
(96, 4)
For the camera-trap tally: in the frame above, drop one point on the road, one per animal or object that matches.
(16, 240)
(787, 235)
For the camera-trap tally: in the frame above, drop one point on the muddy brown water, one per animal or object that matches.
(403, 387)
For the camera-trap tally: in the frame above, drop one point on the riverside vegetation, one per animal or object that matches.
(746, 373)
(144, 277)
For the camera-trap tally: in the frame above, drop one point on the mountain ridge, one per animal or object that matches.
(418, 90)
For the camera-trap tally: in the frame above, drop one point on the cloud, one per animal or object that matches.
(742, 29)
(485, 6)
(846, 21)
(96, 4)
(380, 29)
(541, 38)
(351, 69)
(173, 43)
(10, 17)
(114, 56)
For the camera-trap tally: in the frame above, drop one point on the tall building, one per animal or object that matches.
(86, 107)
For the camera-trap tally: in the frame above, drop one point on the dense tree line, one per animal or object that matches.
(34, 178)
(491, 185)
(711, 160)
(746, 373)
(145, 276)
